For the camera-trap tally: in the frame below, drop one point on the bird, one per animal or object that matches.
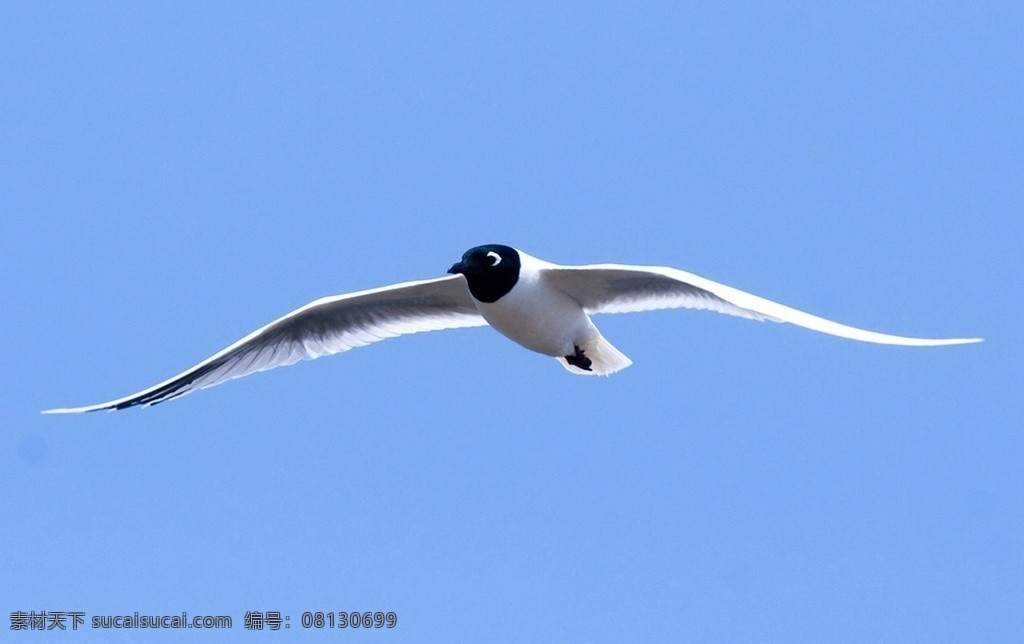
(544, 307)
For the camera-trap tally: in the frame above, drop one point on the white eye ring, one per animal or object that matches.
(495, 256)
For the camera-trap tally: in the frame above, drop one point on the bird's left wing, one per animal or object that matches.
(326, 326)
(614, 288)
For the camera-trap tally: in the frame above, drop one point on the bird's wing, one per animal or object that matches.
(326, 326)
(614, 288)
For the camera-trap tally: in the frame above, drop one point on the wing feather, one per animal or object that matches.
(614, 288)
(326, 326)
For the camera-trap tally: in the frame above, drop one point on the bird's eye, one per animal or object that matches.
(495, 258)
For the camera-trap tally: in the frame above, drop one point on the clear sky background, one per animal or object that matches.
(173, 176)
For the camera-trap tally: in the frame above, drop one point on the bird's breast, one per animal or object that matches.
(540, 318)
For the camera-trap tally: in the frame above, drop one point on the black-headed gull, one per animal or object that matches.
(544, 307)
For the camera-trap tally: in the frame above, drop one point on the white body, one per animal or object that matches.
(545, 319)
(537, 316)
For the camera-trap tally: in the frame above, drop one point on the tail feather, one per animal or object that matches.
(605, 359)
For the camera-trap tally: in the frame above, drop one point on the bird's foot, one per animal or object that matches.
(579, 359)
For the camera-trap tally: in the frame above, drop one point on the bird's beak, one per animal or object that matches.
(458, 267)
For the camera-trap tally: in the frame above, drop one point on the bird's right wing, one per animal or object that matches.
(616, 288)
(326, 326)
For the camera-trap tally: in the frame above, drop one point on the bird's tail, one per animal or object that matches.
(604, 358)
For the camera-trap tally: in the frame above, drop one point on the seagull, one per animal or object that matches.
(542, 306)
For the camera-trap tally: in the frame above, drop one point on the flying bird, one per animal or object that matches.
(544, 307)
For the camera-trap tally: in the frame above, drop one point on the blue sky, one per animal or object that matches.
(173, 176)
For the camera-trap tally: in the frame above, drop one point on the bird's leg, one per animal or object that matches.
(579, 359)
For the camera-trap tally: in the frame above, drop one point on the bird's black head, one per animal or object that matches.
(490, 270)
